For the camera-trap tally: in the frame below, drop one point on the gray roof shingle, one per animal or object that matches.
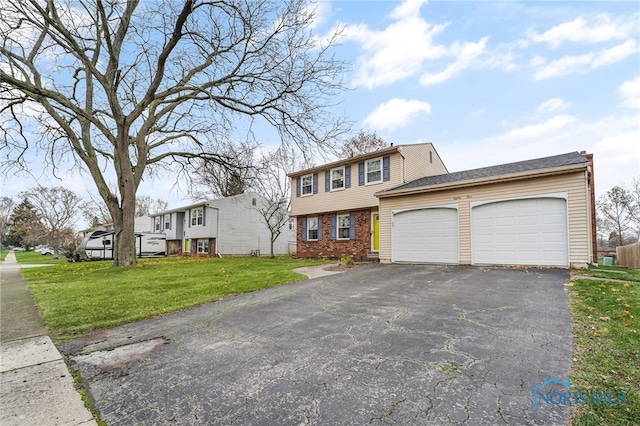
(561, 160)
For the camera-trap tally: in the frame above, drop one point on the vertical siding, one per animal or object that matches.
(571, 183)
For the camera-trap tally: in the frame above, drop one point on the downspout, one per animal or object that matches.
(217, 229)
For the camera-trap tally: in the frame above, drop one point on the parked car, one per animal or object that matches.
(47, 251)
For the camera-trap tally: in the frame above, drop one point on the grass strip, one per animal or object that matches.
(606, 327)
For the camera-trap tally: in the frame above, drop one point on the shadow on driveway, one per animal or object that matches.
(385, 344)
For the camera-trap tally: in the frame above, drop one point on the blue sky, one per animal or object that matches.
(495, 82)
(486, 82)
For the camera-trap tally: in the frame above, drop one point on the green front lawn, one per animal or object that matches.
(76, 297)
(606, 326)
(37, 258)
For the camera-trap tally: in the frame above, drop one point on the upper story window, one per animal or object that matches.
(307, 184)
(373, 170)
(196, 217)
(337, 178)
(167, 221)
(157, 223)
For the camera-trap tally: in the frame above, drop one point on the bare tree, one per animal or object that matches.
(130, 88)
(57, 209)
(95, 212)
(633, 206)
(6, 209)
(213, 180)
(146, 206)
(612, 208)
(274, 186)
(363, 143)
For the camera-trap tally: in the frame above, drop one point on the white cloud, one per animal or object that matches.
(630, 91)
(613, 140)
(535, 132)
(396, 113)
(552, 105)
(537, 61)
(397, 51)
(600, 28)
(466, 55)
(321, 11)
(571, 64)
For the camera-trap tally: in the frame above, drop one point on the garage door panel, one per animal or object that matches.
(527, 232)
(426, 235)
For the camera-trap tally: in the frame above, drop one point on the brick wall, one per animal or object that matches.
(357, 248)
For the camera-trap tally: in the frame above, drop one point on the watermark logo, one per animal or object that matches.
(556, 392)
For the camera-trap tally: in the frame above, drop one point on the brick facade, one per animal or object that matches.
(357, 248)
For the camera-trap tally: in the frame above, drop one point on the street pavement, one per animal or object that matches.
(381, 344)
(36, 387)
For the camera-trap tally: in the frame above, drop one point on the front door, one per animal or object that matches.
(375, 231)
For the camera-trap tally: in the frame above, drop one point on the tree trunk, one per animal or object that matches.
(125, 244)
(124, 222)
(272, 240)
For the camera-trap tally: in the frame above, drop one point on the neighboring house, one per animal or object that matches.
(335, 206)
(225, 226)
(535, 212)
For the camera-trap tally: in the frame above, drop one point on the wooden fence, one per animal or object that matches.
(628, 256)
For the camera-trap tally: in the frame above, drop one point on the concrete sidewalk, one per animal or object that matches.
(36, 387)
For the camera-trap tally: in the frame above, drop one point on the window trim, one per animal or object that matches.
(366, 171)
(195, 217)
(204, 243)
(302, 185)
(308, 230)
(331, 180)
(338, 227)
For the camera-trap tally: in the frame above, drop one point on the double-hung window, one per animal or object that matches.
(307, 185)
(312, 228)
(157, 223)
(196, 217)
(344, 225)
(337, 178)
(167, 221)
(373, 170)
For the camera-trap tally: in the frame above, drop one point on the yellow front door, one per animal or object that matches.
(376, 231)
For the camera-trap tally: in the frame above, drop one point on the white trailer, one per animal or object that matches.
(99, 245)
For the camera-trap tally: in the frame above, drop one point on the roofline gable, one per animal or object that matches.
(350, 160)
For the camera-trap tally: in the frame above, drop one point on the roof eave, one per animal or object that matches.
(484, 181)
(345, 161)
(181, 209)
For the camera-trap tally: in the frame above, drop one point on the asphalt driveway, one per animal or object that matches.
(383, 344)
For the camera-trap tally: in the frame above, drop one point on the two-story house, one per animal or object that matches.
(403, 204)
(335, 206)
(224, 226)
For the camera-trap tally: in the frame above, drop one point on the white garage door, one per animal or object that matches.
(425, 235)
(520, 232)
